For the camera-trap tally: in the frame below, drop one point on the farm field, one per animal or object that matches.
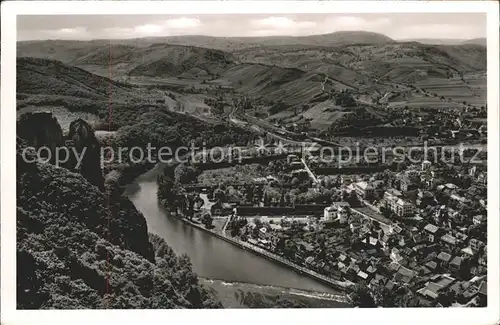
(471, 90)
(478, 84)
(422, 101)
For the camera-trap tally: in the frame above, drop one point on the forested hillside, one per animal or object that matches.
(79, 248)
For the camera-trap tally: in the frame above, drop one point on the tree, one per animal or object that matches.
(345, 99)
(219, 195)
(405, 298)
(207, 220)
(290, 249)
(477, 231)
(282, 199)
(185, 174)
(257, 223)
(386, 212)
(383, 297)
(446, 297)
(361, 296)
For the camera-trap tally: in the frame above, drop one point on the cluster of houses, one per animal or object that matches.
(425, 257)
(416, 256)
(405, 236)
(432, 254)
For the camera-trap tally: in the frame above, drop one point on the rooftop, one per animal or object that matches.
(479, 217)
(457, 261)
(449, 239)
(406, 272)
(431, 265)
(431, 290)
(394, 266)
(341, 204)
(363, 185)
(431, 228)
(468, 251)
(362, 275)
(483, 288)
(443, 256)
(393, 192)
(444, 280)
(402, 202)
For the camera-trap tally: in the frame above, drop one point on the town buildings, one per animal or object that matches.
(338, 211)
(364, 189)
(398, 205)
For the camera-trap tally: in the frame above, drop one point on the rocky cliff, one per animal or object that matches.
(81, 135)
(42, 130)
(81, 247)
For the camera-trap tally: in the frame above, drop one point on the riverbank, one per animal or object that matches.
(338, 285)
(249, 295)
(211, 257)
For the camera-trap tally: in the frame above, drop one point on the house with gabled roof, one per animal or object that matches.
(467, 251)
(478, 219)
(455, 264)
(436, 284)
(444, 258)
(432, 232)
(404, 275)
(476, 244)
(449, 241)
(431, 265)
(483, 293)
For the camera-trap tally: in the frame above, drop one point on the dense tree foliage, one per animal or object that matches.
(361, 296)
(79, 248)
(344, 98)
(159, 127)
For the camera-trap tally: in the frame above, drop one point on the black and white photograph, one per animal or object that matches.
(309, 160)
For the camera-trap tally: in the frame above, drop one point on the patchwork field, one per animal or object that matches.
(420, 101)
(471, 90)
(324, 114)
(478, 84)
(443, 93)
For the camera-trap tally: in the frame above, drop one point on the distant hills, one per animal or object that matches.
(477, 41)
(440, 41)
(233, 43)
(292, 70)
(331, 39)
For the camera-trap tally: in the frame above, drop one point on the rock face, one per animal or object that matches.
(82, 137)
(42, 130)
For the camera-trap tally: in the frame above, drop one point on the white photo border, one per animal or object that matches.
(457, 316)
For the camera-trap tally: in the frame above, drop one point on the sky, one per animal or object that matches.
(396, 26)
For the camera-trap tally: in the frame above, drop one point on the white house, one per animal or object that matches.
(396, 204)
(337, 211)
(364, 189)
(479, 219)
(403, 208)
(426, 165)
(330, 213)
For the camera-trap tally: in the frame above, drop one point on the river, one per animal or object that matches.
(211, 257)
